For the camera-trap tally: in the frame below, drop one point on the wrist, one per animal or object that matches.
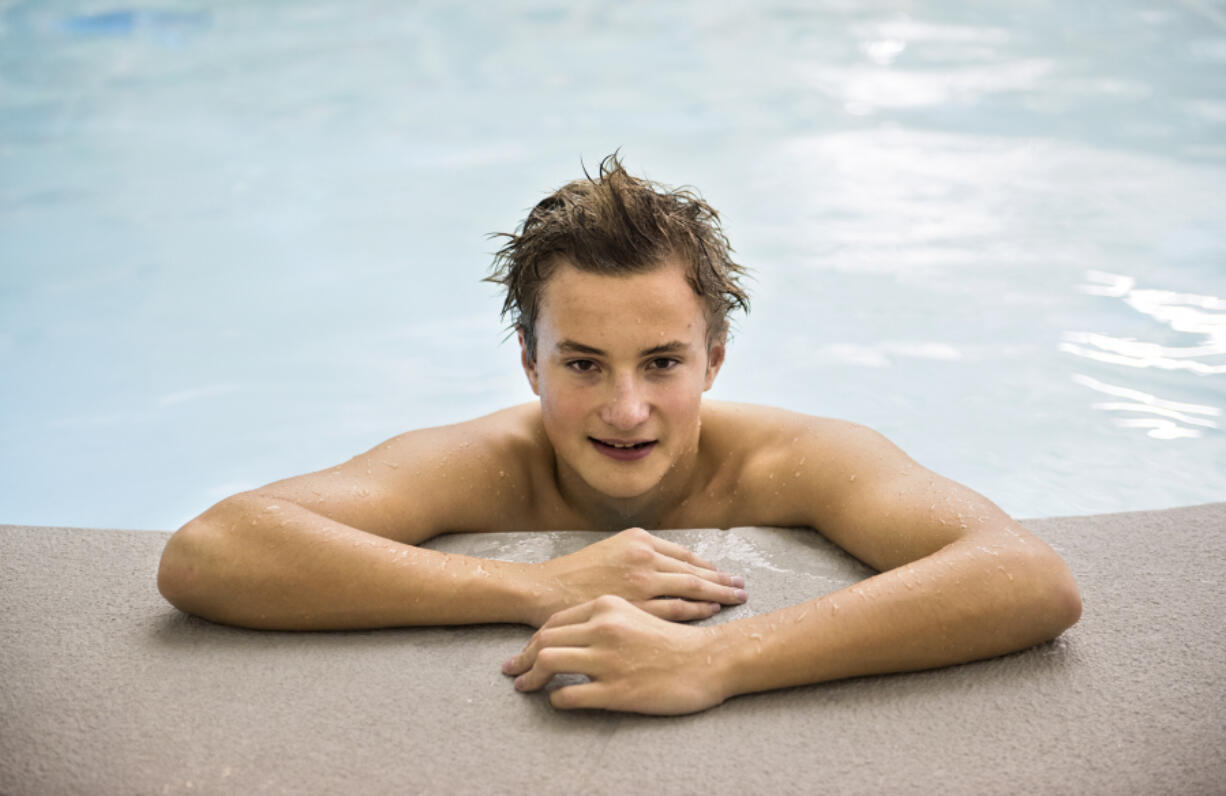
(529, 593)
(728, 652)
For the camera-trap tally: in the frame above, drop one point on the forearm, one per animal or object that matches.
(247, 563)
(972, 599)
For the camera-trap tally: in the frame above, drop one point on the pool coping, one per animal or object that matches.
(108, 689)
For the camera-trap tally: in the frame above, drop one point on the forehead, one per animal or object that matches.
(641, 309)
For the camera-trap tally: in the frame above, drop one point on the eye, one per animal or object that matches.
(581, 365)
(664, 363)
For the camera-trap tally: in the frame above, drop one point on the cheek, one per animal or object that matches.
(562, 409)
(683, 405)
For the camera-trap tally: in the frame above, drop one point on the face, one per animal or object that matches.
(621, 365)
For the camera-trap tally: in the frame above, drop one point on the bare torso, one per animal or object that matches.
(755, 465)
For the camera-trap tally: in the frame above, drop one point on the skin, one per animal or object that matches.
(626, 360)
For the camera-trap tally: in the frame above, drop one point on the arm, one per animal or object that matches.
(962, 582)
(338, 548)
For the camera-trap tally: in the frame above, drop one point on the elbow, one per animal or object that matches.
(1056, 598)
(1068, 602)
(177, 572)
(183, 577)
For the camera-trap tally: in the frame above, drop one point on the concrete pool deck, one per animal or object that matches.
(108, 689)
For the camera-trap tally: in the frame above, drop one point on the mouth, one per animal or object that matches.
(623, 451)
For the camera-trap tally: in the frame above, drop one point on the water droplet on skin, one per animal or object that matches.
(853, 478)
(796, 474)
(272, 508)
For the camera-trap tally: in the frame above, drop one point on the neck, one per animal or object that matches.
(648, 510)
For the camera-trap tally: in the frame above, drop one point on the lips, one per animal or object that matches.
(623, 450)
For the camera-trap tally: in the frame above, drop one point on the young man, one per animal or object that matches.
(620, 291)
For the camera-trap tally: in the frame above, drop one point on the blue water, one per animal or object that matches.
(243, 241)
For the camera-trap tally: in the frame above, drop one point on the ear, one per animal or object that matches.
(528, 363)
(715, 360)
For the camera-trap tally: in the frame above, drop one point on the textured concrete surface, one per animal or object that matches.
(104, 688)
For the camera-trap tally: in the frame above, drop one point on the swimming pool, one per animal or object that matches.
(240, 242)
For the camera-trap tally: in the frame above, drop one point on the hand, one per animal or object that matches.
(639, 567)
(636, 661)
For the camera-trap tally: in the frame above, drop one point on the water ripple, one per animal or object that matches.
(1186, 313)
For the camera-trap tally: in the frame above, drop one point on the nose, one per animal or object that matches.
(627, 406)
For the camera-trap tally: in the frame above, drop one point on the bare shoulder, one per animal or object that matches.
(788, 465)
(770, 435)
(845, 480)
(477, 475)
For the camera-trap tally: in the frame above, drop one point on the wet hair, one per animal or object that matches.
(617, 225)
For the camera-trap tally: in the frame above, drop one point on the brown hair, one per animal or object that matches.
(616, 224)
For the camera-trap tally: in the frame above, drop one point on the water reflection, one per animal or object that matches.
(1162, 427)
(1182, 312)
(1186, 313)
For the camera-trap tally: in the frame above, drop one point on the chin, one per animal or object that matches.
(623, 486)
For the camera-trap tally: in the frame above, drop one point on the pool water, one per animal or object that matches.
(244, 241)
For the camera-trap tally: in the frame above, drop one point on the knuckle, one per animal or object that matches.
(640, 553)
(638, 578)
(609, 627)
(563, 698)
(608, 601)
(679, 609)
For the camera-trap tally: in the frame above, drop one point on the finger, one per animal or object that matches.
(555, 660)
(679, 610)
(668, 564)
(693, 587)
(575, 615)
(680, 552)
(580, 695)
(563, 636)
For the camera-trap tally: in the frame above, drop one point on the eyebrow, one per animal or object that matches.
(570, 346)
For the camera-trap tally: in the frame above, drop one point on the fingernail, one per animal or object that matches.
(519, 683)
(737, 580)
(741, 595)
(506, 667)
(715, 608)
